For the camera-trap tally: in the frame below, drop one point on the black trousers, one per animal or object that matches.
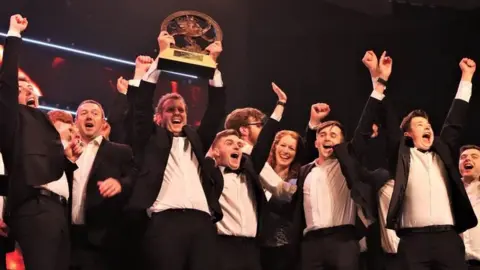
(238, 253)
(86, 256)
(40, 227)
(442, 250)
(279, 258)
(180, 239)
(335, 248)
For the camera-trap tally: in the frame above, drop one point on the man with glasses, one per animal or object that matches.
(248, 122)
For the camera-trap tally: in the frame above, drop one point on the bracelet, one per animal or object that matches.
(382, 82)
(281, 103)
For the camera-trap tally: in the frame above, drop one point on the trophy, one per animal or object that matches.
(193, 31)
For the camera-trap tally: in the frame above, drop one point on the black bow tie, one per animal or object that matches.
(423, 151)
(230, 170)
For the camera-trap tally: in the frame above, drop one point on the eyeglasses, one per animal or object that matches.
(258, 124)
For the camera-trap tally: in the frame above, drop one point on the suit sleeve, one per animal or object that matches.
(128, 170)
(363, 131)
(117, 118)
(455, 121)
(213, 116)
(261, 150)
(9, 107)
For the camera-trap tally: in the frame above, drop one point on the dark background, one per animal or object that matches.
(310, 48)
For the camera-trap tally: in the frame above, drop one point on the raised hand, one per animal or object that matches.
(385, 66)
(468, 67)
(142, 64)
(282, 97)
(109, 187)
(165, 40)
(318, 112)
(370, 60)
(122, 85)
(18, 24)
(214, 50)
(73, 150)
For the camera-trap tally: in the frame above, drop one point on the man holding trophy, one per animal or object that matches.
(174, 186)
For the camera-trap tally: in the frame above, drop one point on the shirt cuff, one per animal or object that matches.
(377, 95)
(217, 79)
(153, 73)
(13, 33)
(276, 117)
(135, 83)
(311, 126)
(464, 91)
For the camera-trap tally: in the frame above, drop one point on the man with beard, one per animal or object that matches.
(37, 165)
(241, 194)
(104, 171)
(429, 205)
(469, 166)
(172, 185)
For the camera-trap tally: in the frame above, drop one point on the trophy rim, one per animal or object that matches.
(216, 26)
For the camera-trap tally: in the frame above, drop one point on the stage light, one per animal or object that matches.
(49, 108)
(90, 54)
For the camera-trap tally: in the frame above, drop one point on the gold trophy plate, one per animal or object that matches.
(193, 31)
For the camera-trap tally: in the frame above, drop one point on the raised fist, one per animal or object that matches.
(18, 24)
(370, 60)
(165, 40)
(215, 49)
(468, 66)
(385, 66)
(122, 85)
(142, 64)
(318, 112)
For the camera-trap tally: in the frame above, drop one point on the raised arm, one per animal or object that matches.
(215, 111)
(9, 82)
(453, 125)
(318, 112)
(120, 113)
(261, 150)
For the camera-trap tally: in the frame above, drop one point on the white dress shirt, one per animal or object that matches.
(181, 187)
(238, 206)
(80, 179)
(327, 202)
(427, 200)
(471, 237)
(60, 186)
(389, 238)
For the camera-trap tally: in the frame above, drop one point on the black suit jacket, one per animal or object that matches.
(252, 165)
(120, 117)
(32, 150)
(446, 146)
(151, 146)
(354, 173)
(103, 214)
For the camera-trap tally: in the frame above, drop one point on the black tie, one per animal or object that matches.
(230, 170)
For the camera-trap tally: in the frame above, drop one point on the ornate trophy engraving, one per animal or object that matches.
(193, 32)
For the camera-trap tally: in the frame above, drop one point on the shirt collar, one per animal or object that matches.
(247, 148)
(98, 140)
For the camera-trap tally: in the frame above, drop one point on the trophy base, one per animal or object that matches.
(191, 63)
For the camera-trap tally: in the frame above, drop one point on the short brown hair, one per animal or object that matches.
(165, 98)
(468, 147)
(407, 120)
(223, 134)
(62, 116)
(296, 164)
(240, 118)
(91, 101)
(331, 123)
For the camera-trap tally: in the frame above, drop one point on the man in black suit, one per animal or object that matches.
(37, 165)
(429, 205)
(172, 186)
(100, 188)
(240, 192)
